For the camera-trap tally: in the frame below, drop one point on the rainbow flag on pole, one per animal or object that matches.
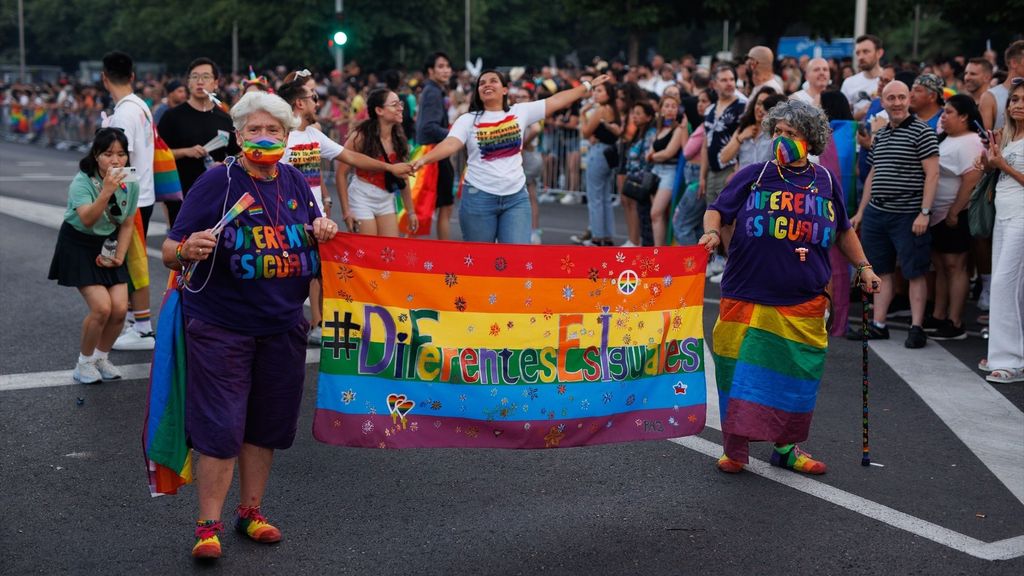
(450, 344)
(168, 458)
(136, 258)
(424, 194)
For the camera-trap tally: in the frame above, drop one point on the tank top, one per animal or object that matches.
(376, 178)
(604, 135)
(660, 144)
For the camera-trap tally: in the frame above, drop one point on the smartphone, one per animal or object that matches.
(131, 173)
(982, 133)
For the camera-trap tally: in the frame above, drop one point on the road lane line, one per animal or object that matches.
(34, 178)
(31, 380)
(985, 421)
(1000, 550)
(52, 216)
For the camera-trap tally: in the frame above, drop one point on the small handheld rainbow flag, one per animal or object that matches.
(244, 202)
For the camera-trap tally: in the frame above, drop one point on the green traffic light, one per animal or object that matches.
(340, 38)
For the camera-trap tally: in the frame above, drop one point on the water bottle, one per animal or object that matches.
(109, 250)
(208, 162)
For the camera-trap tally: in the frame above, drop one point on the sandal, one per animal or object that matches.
(983, 365)
(1006, 375)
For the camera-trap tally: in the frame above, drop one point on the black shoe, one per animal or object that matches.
(931, 324)
(949, 331)
(916, 338)
(874, 333)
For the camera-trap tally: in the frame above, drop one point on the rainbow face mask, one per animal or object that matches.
(263, 151)
(789, 150)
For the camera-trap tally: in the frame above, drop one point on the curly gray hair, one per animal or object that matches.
(809, 121)
(261, 101)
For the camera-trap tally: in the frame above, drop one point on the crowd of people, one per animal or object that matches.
(742, 158)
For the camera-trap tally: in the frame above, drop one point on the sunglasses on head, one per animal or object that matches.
(98, 130)
(1016, 81)
(304, 73)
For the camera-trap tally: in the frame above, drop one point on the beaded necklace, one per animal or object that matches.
(812, 187)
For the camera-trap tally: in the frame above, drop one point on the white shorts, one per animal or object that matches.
(366, 201)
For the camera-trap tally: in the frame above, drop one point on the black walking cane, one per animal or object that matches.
(865, 459)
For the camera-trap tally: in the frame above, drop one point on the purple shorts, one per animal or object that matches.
(242, 388)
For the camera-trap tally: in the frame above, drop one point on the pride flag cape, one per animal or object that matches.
(451, 344)
(168, 458)
(424, 194)
(39, 116)
(17, 119)
(844, 135)
(136, 259)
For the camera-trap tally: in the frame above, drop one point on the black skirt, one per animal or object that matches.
(74, 260)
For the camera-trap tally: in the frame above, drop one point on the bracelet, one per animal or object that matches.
(588, 85)
(713, 231)
(178, 252)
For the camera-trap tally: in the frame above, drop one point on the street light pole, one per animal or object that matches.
(339, 51)
(467, 30)
(860, 19)
(21, 40)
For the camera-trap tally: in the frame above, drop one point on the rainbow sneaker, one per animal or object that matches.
(729, 466)
(254, 525)
(207, 546)
(793, 458)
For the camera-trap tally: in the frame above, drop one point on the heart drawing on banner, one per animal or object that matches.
(399, 406)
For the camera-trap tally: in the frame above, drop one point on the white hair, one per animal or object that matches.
(262, 101)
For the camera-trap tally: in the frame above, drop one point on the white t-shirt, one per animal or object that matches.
(956, 158)
(1009, 192)
(132, 115)
(773, 83)
(493, 142)
(306, 148)
(854, 85)
(803, 96)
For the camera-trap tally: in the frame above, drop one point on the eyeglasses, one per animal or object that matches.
(314, 97)
(1016, 81)
(395, 104)
(113, 207)
(200, 77)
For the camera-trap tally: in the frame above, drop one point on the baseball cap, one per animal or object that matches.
(931, 82)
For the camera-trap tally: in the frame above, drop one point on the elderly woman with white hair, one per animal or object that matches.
(770, 338)
(245, 332)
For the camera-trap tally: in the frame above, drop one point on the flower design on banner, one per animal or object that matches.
(387, 254)
(345, 296)
(620, 257)
(492, 298)
(348, 396)
(411, 258)
(567, 264)
(690, 263)
(428, 265)
(592, 274)
(568, 293)
(468, 260)
(548, 313)
(667, 281)
(450, 279)
(510, 325)
(553, 438)
(529, 265)
(495, 329)
(360, 253)
(500, 263)
(385, 274)
(460, 303)
(403, 317)
(345, 273)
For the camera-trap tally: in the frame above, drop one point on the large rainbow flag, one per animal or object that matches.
(18, 122)
(424, 194)
(451, 344)
(168, 458)
(136, 258)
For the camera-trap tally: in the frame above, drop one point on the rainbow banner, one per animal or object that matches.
(39, 116)
(424, 195)
(18, 121)
(453, 344)
(136, 258)
(168, 458)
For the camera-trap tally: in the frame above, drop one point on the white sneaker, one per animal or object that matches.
(627, 244)
(86, 373)
(717, 278)
(132, 340)
(535, 236)
(107, 369)
(316, 335)
(716, 266)
(569, 198)
(983, 299)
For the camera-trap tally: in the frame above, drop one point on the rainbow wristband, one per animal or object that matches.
(178, 252)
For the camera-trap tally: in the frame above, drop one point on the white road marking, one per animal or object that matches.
(32, 163)
(999, 550)
(985, 421)
(30, 380)
(35, 178)
(52, 216)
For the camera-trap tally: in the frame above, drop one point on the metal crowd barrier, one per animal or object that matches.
(48, 125)
(564, 155)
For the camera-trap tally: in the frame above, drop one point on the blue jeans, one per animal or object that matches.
(600, 183)
(688, 220)
(486, 217)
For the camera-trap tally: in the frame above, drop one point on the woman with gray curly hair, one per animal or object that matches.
(245, 332)
(770, 339)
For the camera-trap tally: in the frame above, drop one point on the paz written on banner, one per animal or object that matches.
(448, 344)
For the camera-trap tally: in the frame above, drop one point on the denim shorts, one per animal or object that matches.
(889, 238)
(667, 173)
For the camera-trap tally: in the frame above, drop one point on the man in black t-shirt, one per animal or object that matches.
(188, 127)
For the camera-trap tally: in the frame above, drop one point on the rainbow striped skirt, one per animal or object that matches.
(769, 361)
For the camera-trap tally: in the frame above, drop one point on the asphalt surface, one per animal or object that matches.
(73, 494)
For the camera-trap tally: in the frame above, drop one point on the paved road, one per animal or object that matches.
(947, 500)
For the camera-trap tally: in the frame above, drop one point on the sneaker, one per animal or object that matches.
(1006, 375)
(133, 340)
(86, 373)
(207, 546)
(590, 243)
(580, 238)
(254, 525)
(627, 244)
(797, 460)
(107, 369)
(535, 236)
(874, 333)
(916, 338)
(716, 266)
(717, 278)
(568, 198)
(931, 324)
(948, 331)
(315, 335)
(983, 299)
(729, 466)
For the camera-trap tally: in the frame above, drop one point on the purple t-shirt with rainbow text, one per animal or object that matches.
(265, 257)
(775, 221)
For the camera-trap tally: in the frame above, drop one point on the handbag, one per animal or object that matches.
(981, 209)
(641, 185)
(611, 156)
(392, 183)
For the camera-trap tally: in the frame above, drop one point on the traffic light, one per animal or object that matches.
(339, 38)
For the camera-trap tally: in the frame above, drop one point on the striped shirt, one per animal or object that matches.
(896, 155)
